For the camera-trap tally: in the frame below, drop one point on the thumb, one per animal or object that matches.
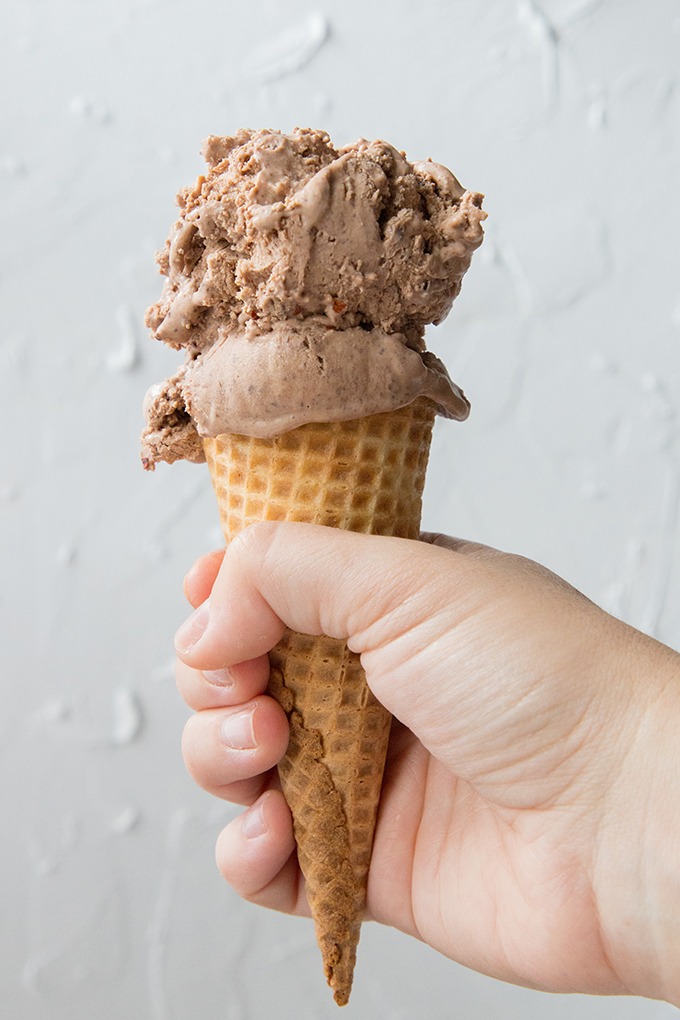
(316, 580)
(395, 601)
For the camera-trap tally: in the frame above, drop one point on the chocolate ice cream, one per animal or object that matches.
(300, 279)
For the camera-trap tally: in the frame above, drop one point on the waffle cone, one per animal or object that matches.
(365, 475)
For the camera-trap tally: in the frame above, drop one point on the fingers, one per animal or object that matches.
(201, 576)
(224, 687)
(230, 751)
(256, 852)
(256, 855)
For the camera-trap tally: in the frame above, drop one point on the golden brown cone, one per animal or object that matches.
(365, 475)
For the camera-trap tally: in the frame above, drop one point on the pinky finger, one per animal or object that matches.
(256, 855)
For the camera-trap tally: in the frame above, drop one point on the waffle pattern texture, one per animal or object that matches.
(365, 475)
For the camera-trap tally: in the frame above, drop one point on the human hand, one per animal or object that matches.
(529, 820)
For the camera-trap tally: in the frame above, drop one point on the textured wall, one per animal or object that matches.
(567, 114)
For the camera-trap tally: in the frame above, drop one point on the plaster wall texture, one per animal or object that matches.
(566, 113)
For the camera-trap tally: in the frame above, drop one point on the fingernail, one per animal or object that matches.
(236, 730)
(219, 677)
(253, 822)
(193, 629)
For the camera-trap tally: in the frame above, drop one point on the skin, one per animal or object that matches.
(529, 824)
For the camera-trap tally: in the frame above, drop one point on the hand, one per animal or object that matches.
(529, 824)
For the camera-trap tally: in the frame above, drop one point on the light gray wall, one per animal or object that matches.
(566, 114)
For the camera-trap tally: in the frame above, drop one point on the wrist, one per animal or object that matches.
(637, 877)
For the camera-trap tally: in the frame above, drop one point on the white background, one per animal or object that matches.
(566, 113)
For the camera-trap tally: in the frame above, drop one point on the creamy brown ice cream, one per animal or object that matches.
(300, 280)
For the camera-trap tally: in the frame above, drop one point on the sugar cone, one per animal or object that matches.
(365, 475)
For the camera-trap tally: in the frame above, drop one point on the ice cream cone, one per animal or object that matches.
(300, 279)
(365, 475)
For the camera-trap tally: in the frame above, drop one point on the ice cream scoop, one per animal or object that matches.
(300, 280)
